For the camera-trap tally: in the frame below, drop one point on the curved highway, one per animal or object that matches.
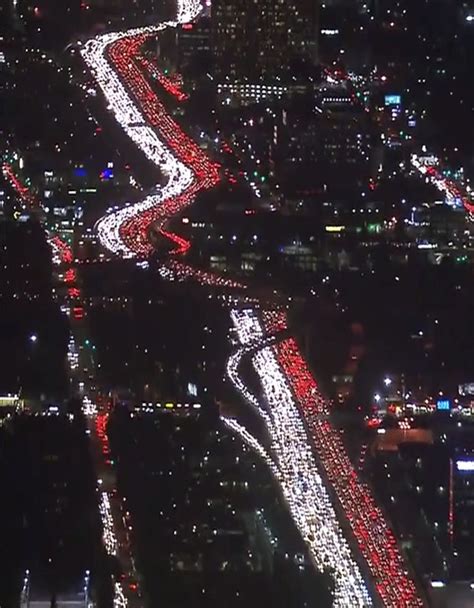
(335, 512)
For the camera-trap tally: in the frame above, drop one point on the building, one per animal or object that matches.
(462, 514)
(314, 147)
(261, 40)
(194, 45)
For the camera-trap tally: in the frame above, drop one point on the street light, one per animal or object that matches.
(387, 381)
(377, 397)
(33, 338)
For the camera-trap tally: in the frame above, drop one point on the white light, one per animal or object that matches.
(33, 338)
(377, 397)
(465, 465)
(108, 528)
(153, 140)
(306, 494)
(292, 458)
(296, 418)
(387, 381)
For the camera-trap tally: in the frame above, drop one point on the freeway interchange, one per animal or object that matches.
(335, 512)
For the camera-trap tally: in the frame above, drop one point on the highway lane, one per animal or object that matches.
(290, 392)
(299, 475)
(356, 508)
(114, 516)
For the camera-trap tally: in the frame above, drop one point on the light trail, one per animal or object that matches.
(296, 416)
(232, 371)
(286, 380)
(173, 270)
(62, 252)
(301, 482)
(115, 62)
(119, 601)
(110, 510)
(374, 537)
(234, 361)
(451, 190)
(108, 527)
(250, 440)
(27, 198)
(171, 87)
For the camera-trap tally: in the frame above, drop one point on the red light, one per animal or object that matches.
(70, 276)
(78, 313)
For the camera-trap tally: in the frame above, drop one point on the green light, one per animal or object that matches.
(373, 228)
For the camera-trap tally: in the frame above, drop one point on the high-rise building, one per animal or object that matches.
(194, 45)
(462, 513)
(314, 148)
(260, 40)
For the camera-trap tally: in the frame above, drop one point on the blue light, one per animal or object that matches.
(443, 405)
(80, 172)
(393, 100)
(107, 174)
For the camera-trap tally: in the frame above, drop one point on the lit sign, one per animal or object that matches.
(335, 228)
(465, 465)
(443, 405)
(170, 405)
(10, 400)
(466, 389)
(429, 160)
(393, 100)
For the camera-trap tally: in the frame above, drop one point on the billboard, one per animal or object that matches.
(443, 405)
(393, 100)
(465, 466)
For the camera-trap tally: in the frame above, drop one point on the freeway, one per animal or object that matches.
(455, 194)
(299, 475)
(62, 252)
(335, 512)
(114, 516)
(117, 65)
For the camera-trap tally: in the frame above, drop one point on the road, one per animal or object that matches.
(335, 512)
